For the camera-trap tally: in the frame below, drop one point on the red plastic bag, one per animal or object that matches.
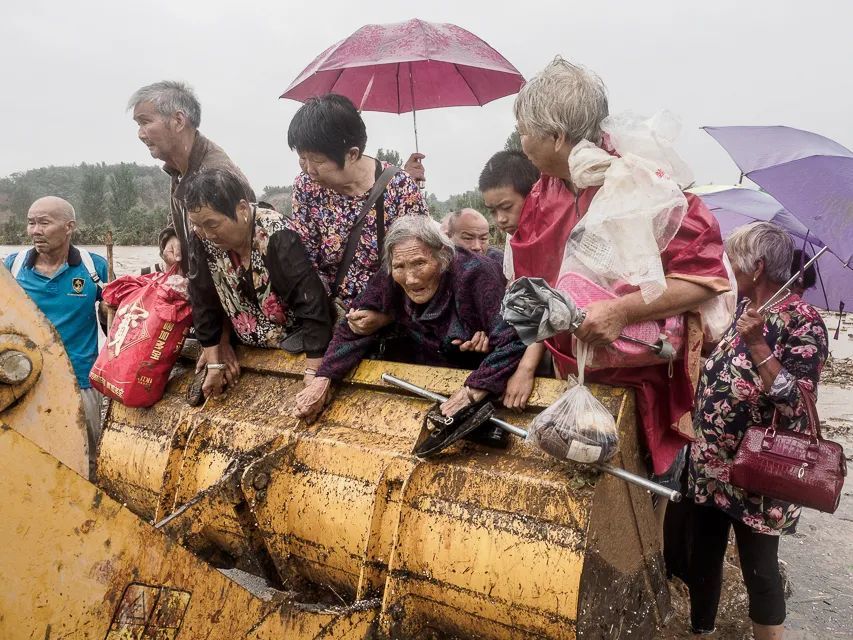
(151, 322)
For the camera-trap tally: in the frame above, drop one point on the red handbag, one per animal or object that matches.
(801, 468)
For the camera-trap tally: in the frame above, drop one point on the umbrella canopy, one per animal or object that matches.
(811, 176)
(737, 206)
(401, 67)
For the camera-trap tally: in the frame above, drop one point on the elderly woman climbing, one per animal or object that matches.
(762, 369)
(438, 297)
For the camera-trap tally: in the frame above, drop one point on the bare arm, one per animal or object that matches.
(606, 319)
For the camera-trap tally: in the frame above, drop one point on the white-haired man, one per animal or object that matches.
(64, 282)
(168, 115)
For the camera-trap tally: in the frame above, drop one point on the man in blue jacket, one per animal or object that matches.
(65, 283)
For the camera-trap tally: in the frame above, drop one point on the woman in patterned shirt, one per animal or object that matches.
(249, 273)
(743, 382)
(329, 135)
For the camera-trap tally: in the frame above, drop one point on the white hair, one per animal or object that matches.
(762, 241)
(169, 97)
(562, 100)
(424, 229)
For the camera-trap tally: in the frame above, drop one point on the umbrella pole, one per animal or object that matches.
(627, 476)
(414, 117)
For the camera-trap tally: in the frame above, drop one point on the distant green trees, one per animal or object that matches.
(130, 200)
(390, 156)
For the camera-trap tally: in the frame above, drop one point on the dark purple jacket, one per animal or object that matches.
(468, 300)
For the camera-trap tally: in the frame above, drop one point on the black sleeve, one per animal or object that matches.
(296, 282)
(208, 315)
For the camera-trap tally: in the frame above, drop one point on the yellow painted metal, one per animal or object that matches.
(496, 544)
(76, 564)
(47, 407)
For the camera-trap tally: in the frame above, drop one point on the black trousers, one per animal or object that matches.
(758, 561)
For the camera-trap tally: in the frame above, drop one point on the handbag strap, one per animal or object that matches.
(378, 188)
(808, 399)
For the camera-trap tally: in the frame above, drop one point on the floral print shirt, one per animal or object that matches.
(265, 301)
(731, 398)
(323, 219)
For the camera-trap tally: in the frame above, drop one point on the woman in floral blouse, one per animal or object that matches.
(329, 135)
(744, 381)
(246, 267)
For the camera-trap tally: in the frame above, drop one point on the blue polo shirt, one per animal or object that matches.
(68, 300)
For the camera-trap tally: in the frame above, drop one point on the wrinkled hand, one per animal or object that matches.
(229, 359)
(518, 390)
(311, 401)
(364, 322)
(750, 326)
(414, 167)
(603, 324)
(479, 343)
(459, 400)
(214, 383)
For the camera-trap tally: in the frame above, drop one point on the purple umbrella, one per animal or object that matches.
(736, 207)
(406, 66)
(811, 176)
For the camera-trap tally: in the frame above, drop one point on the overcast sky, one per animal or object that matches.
(69, 67)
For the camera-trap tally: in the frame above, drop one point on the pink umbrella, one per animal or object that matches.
(406, 66)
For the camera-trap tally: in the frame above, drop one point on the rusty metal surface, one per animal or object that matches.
(46, 407)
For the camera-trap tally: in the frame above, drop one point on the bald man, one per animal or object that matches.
(64, 281)
(469, 229)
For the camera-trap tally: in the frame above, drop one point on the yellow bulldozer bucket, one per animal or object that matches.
(277, 529)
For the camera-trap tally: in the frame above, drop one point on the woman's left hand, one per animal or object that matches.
(604, 321)
(459, 400)
(750, 326)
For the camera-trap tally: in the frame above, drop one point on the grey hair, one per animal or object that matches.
(762, 240)
(453, 217)
(169, 97)
(424, 229)
(562, 100)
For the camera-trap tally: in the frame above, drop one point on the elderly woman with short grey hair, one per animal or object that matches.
(438, 296)
(561, 107)
(761, 370)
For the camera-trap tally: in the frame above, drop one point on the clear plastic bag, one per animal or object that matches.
(577, 426)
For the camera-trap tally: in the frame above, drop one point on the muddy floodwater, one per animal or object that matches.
(818, 559)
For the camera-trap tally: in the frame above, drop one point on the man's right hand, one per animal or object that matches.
(364, 322)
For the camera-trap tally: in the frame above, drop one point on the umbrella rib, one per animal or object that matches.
(340, 73)
(459, 71)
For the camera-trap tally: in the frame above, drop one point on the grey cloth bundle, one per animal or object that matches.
(537, 312)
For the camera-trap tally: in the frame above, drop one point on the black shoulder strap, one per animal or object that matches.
(376, 191)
